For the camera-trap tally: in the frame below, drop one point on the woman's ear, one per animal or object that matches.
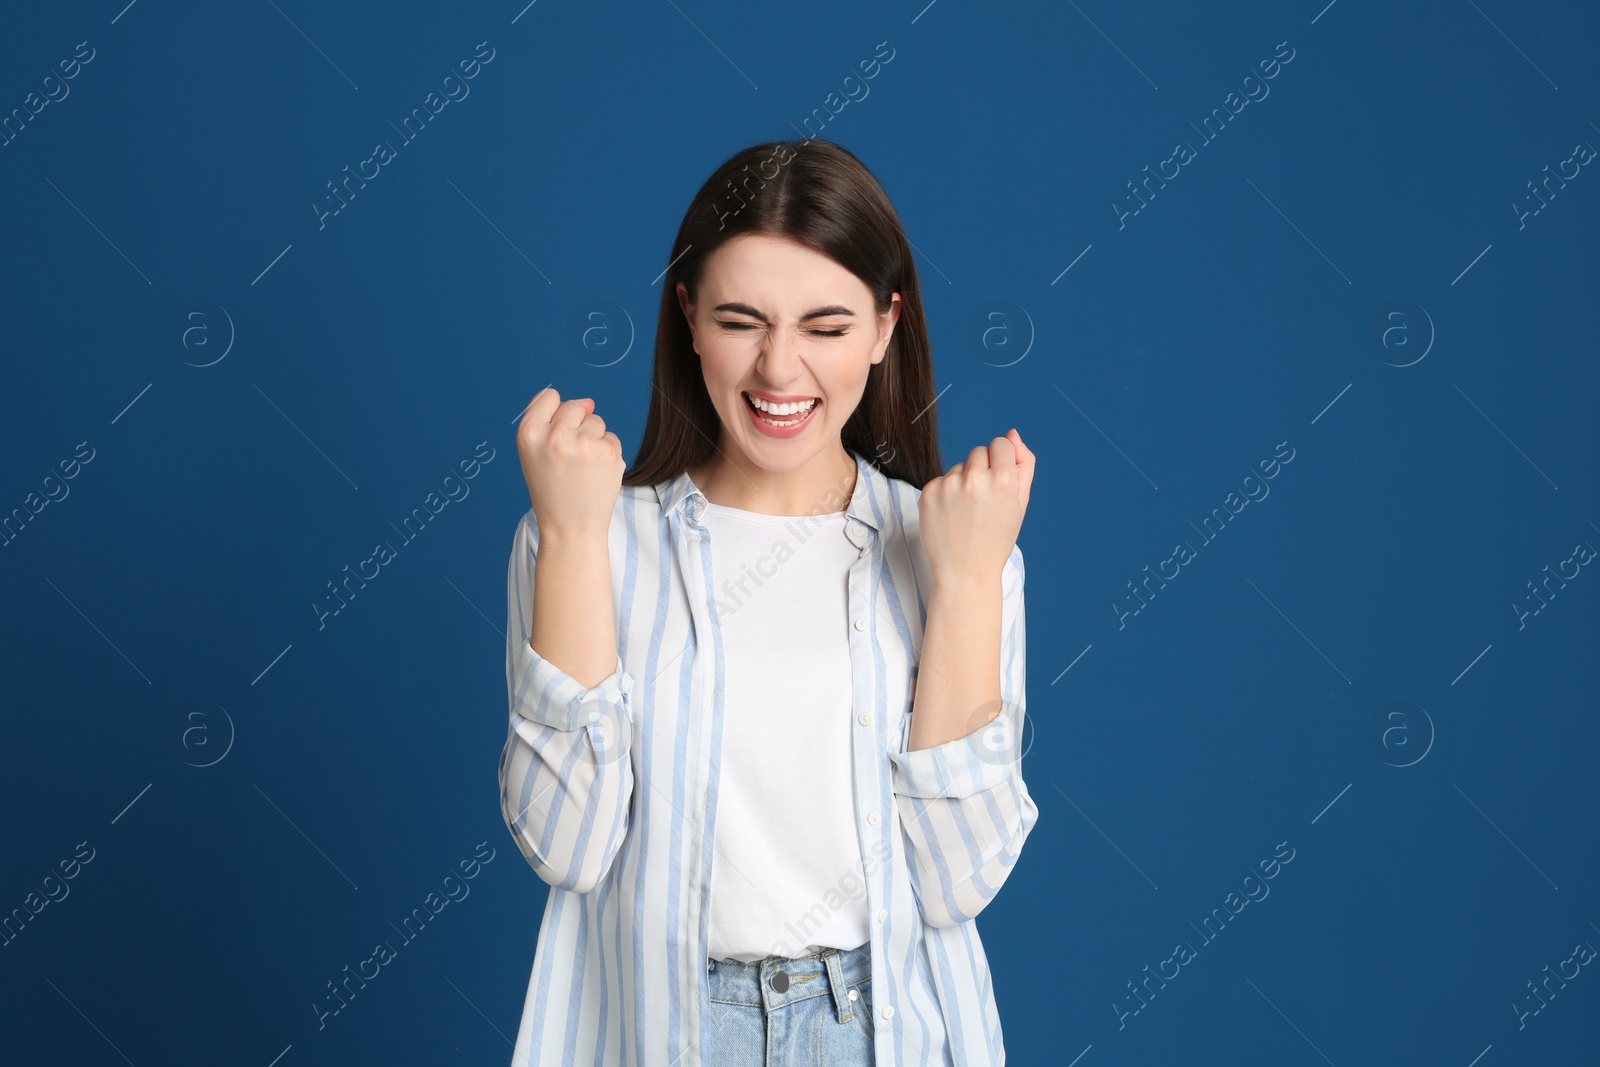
(886, 325)
(687, 309)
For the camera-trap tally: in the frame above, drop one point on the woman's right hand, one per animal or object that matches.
(573, 465)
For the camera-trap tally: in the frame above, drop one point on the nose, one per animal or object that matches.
(780, 358)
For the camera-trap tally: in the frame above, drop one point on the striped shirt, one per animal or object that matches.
(611, 795)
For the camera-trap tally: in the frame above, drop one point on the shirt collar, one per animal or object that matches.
(681, 492)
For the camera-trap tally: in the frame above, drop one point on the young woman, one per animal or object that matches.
(766, 694)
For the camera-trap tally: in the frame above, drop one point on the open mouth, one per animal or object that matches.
(786, 416)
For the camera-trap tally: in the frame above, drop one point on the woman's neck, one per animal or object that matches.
(822, 486)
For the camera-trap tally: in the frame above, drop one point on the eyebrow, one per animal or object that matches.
(819, 313)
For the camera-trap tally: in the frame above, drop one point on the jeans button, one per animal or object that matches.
(779, 981)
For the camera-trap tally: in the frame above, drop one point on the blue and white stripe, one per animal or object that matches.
(611, 795)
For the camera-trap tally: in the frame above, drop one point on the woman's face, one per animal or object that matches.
(776, 321)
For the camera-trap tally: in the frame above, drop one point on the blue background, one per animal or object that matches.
(264, 796)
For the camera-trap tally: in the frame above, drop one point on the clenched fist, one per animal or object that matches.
(573, 466)
(971, 514)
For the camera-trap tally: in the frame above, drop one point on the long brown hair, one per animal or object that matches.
(818, 194)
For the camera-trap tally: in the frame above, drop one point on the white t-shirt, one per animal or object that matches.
(787, 875)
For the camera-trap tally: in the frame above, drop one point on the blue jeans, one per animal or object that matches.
(791, 1012)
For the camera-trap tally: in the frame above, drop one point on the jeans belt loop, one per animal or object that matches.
(836, 982)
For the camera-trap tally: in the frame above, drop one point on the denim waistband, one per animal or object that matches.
(757, 983)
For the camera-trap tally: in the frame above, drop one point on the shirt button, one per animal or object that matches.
(861, 624)
(865, 718)
(883, 915)
(872, 818)
(888, 1011)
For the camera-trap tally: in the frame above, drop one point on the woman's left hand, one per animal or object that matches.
(971, 514)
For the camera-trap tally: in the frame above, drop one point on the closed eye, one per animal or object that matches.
(744, 326)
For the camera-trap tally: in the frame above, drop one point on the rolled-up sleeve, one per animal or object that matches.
(566, 776)
(963, 804)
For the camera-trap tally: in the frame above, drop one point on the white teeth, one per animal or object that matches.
(783, 409)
